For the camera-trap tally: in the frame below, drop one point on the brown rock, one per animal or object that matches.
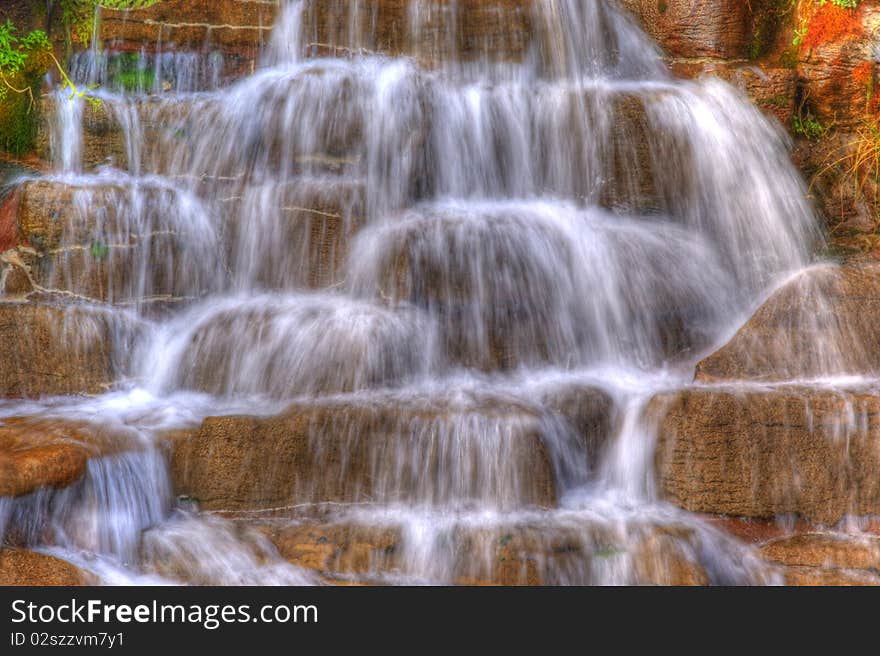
(685, 28)
(819, 576)
(589, 411)
(516, 554)
(55, 349)
(316, 222)
(338, 549)
(764, 453)
(28, 568)
(824, 321)
(233, 25)
(772, 89)
(825, 550)
(384, 451)
(465, 31)
(39, 452)
(93, 240)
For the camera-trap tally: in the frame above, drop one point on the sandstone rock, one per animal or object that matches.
(385, 451)
(770, 88)
(233, 25)
(338, 550)
(109, 241)
(822, 322)
(464, 31)
(514, 554)
(685, 28)
(103, 142)
(55, 349)
(590, 412)
(764, 453)
(51, 453)
(819, 576)
(303, 231)
(825, 550)
(27, 568)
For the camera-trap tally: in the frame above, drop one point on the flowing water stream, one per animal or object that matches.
(459, 239)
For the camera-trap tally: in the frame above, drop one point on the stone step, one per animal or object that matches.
(111, 239)
(61, 348)
(767, 452)
(527, 284)
(129, 241)
(419, 451)
(442, 450)
(499, 551)
(614, 139)
(431, 32)
(296, 234)
(822, 322)
(826, 558)
(291, 344)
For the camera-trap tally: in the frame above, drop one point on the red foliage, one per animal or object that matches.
(864, 73)
(832, 23)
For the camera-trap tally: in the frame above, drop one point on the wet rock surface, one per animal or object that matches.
(826, 558)
(765, 453)
(20, 567)
(324, 452)
(52, 348)
(820, 323)
(515, 554)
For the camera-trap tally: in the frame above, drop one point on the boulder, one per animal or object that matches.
(40, 453)
(385, 451)
(822, 322)
(51, 348)
(763, 453)
(19, 567)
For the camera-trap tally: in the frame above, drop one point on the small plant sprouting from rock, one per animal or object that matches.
(804, 124)
(99, 250)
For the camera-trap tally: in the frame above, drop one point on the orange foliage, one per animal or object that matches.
(864, 73)
(832, 23)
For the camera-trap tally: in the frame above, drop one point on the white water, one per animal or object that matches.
(479, 232)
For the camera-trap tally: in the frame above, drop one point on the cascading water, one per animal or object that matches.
(438, 243)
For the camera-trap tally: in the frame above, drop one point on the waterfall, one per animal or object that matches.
(427, 234)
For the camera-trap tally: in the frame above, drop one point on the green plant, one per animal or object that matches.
(804, 124)
(24, 60)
